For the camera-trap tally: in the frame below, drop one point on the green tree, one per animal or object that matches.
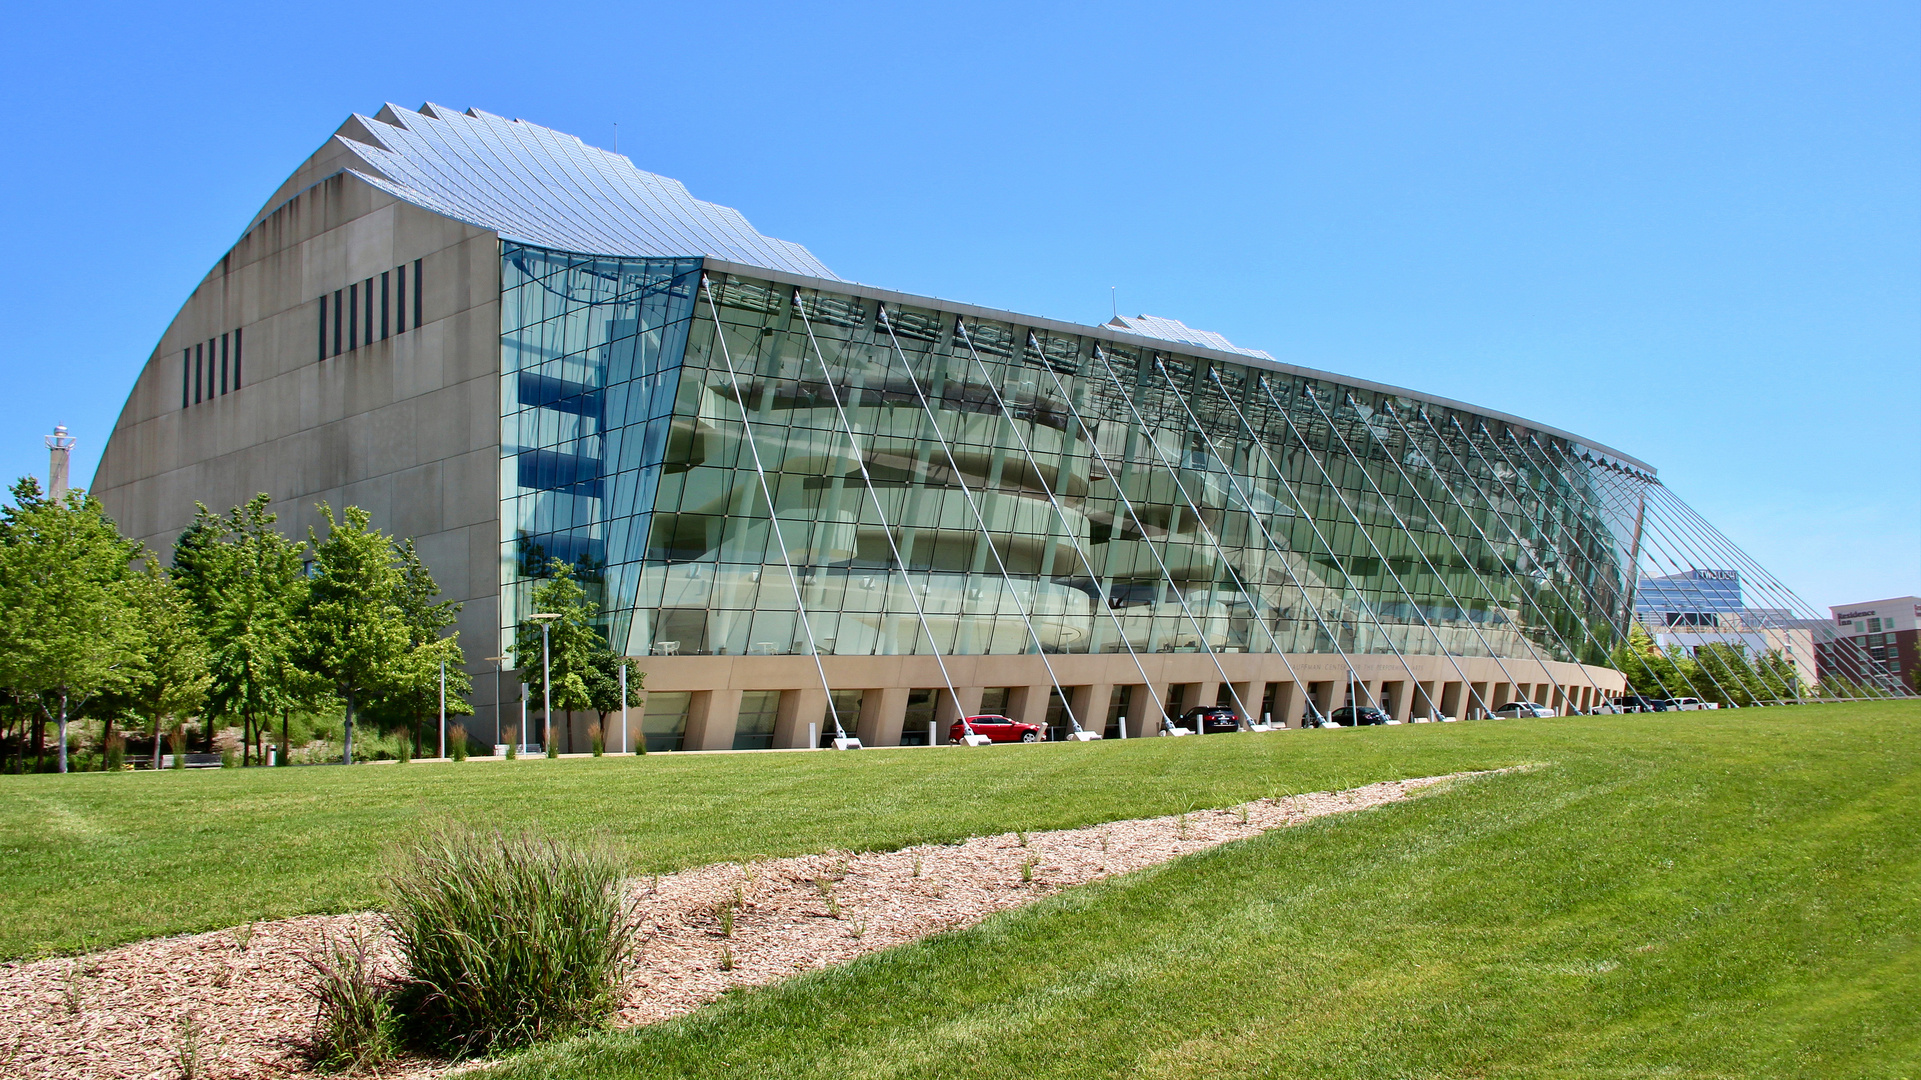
(354, 633)
(247, 584)
(173, 676)
(603, 684)
(1649, 670)
(68, 629)
(572, 639)
(415, 695)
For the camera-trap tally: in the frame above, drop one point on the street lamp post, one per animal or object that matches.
(496, 661)
(443, 708)
(546, 681)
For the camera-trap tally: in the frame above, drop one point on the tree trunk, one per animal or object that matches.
(347, 733)
(40, 741)
(63, 731)
(156, 740)
(284, 739)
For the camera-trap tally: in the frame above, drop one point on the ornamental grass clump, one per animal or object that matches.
(506, 939)
(354, 1022)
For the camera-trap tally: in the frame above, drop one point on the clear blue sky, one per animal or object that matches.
(1689, 231)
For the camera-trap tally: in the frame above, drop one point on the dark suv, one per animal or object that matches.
(1358, 716)
(1208, 720)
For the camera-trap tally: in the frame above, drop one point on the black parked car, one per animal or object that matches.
(1636, 703)
(1358, 716)
(1210, 720)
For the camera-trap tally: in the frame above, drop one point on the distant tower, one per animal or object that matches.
(59, 450)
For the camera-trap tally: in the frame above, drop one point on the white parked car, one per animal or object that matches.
(1522, 708)
(1691, 704)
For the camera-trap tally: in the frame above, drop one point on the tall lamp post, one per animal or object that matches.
(545, 619)
(496, 661)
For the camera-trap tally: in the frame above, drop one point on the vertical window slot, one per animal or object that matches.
(367, 290)
(186, 375)
(416, 294)
(225, 356)
(353, 317)
(236, 359)
(400, 300)
(323, 327)
(385, 292)
(198, 360)
(337, 310)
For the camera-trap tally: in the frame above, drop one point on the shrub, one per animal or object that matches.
(115, 752)
(506, 939)
(457, 742)
(512, 739)
(177, 743)
(354, 1024)
(404, 751)
(596, 739)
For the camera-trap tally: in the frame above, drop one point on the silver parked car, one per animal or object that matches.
(1522, 708)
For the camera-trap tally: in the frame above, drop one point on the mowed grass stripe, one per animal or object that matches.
(1717, 898)
(96, 859)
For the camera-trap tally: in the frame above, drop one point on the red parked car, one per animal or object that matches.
(998, 729)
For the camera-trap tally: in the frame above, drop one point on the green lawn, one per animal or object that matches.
(1705, 895)
(90, 859)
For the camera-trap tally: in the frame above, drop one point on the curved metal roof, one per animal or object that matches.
(539, 186)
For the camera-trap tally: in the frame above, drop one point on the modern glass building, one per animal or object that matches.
(805, 504)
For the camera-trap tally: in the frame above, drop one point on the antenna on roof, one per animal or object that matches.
(1113, 297)
(616, 136)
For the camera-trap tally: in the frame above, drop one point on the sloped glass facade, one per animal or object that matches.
(976, 486)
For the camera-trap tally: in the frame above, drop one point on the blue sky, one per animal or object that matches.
(1688, 231)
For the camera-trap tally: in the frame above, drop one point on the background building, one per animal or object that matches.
(1888, 631)
(518, 348)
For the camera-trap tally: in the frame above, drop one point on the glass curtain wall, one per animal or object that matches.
(589, 350)
(1065, 478)
(1033, 490)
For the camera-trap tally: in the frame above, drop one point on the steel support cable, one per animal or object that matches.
(1548, 467)
(1538, 657)
(1167, 577)
(1527, 596)
(1381, 555)
(1436, 571)
(1661, 519)
(980, 521)
(1709, 538)
(1655, 547)
(1467, 514)
(773, 514)
(1220, 548)
(987, 379)
(1361, 596)
(1253, 516)
(1864, 663)
(1306, 515)
(887, 530)
(1661, 538)
(1522, 543)
(1874, 679)
(1496, 443)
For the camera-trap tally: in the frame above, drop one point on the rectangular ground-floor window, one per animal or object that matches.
(755, 728)
(1119, 706)
(664, 725)
(847, 707)
(920, 713)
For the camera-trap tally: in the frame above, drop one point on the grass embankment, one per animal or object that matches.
(93, 859)
(1718, 894)
(1706, 895)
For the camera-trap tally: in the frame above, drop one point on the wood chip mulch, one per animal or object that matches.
(232, 1004)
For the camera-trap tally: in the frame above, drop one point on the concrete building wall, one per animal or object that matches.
(407, 427)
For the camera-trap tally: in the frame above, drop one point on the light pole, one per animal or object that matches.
(496, 661)
(545, 619)
(443, 708)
